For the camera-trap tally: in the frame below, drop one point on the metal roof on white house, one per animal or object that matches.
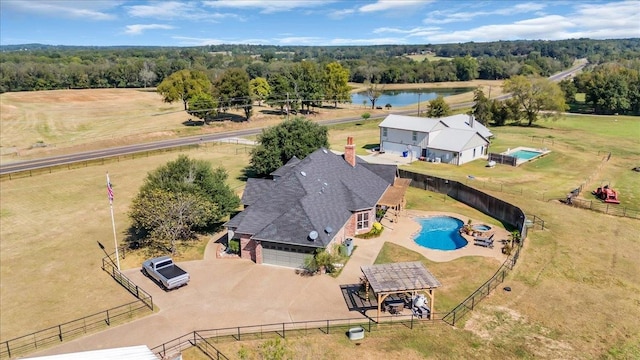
(412, 123)
(463, 121)
(140, 352)
(453, 140)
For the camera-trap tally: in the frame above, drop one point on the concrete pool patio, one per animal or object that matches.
(226, 292)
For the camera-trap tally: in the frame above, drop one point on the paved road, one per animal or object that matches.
(193, 140)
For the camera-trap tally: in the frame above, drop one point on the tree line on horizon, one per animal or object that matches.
(41, 67)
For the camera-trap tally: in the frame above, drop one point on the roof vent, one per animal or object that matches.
(303, 173)
(313, 235)
(328, 230)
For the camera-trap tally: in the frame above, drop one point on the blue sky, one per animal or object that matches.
(310, 22)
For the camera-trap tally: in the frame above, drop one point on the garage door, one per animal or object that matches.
(396, 148)
(284, 255)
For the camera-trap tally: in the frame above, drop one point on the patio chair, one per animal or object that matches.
(485, 243)
(484, 239)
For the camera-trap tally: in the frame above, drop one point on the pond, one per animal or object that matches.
(407, 97)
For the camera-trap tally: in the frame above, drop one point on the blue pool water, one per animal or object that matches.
(525, 154)
(440, 233)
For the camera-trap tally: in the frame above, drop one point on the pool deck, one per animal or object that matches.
(403, 232)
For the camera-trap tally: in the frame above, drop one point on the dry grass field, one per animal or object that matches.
(575, 291)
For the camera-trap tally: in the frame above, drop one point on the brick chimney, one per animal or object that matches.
(350, 152)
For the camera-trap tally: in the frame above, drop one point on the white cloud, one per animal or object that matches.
(300, 40)
(416, 30)
(386, 5)
(596, 21)
(167, 10)
(265, 6)
(374, 41)
(454, 15)
(87, 10)
(138, 29)
(339, 14)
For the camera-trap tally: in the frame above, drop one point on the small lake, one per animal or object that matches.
(407, 97)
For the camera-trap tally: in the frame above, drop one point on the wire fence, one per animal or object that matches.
(225, 146)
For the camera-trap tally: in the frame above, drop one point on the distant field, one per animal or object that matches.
(420, 57)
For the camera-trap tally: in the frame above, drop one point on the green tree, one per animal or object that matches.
(280, 89)
(259, 89)
(336, 87)
(569, 89)
(202, 106)
(232, 90)
(183, 85)
(438, 108)
(179, 199)
(481, 107)
(296, 137)
(306, 82)
(534, 95)
(466, 68)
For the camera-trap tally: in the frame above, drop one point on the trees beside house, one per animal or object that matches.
(179, 199)
(438, 107)
(535, 94)
(297, 137)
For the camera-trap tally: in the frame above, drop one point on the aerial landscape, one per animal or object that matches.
(319, 179)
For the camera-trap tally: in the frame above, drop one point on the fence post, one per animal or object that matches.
(454, 317)
(411, 321)
(60, 332)
(238, 333)
(6, 342)
(108, 321)
(283, 334)
(327, 326)
(473, 302)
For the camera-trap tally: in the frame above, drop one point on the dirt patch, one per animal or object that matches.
(496, 323)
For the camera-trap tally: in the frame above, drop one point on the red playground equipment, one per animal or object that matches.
(606, 194)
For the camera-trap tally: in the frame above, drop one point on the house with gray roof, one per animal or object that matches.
(309, 204)
(455, 139)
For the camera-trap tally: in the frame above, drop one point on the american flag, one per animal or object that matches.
(109, 190)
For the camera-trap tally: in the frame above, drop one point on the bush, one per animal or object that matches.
(365, 116)
(375, 231)
(234, 245)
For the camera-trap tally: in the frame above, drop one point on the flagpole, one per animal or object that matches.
(113, 222)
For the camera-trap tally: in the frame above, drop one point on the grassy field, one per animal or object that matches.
(576, 289)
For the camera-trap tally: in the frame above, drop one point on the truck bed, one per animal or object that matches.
(171, 272)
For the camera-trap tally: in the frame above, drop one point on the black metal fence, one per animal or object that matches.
(503, 159)
(138, 292)
(205, 340)
(70, 330)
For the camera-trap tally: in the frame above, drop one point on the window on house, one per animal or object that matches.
(363, 221)
(414, 136)
(384, 132)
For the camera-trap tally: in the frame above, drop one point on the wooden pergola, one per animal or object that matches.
(394, 196)
(400, 278)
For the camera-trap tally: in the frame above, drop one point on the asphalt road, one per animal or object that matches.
(194, 140)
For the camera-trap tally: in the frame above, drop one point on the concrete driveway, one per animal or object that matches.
(231, 292)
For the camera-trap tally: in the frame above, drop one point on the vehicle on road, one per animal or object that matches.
(167, 274)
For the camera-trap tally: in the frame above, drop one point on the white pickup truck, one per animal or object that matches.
(165, 272)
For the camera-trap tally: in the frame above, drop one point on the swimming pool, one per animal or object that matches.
(440, 233)
(525, 154)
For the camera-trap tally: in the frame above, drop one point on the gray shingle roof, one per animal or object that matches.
(255, 188)
(319, 192)
(281, 171)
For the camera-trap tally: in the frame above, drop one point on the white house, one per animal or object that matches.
(455, 139)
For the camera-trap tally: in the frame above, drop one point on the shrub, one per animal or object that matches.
(375, 231)
(234, 245)
(365, 116)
